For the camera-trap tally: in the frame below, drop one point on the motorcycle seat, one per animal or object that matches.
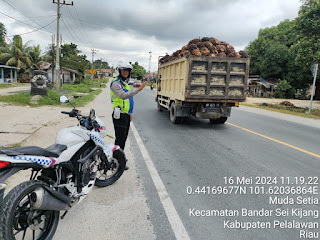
(52, 151)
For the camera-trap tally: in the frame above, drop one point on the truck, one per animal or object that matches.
(206, 87)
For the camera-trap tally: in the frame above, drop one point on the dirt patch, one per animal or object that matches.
(295, 102)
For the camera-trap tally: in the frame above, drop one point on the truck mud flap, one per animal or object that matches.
(182, 111)
(228, 112)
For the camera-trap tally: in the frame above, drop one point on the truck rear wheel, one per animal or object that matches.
(220, 120)
(173, 114)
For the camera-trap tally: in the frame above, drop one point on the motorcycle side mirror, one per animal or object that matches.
(92, 114)
(64, 99)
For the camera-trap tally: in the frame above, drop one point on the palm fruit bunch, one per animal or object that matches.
(206, 46)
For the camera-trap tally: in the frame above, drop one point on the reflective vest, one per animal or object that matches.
(125, 105)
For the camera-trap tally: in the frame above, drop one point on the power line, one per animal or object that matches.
(23, 14)
(36, 17)
(34, 30)
(82, 26)
(21, 22)
(76, 25)
(101, 25)
(68, 29)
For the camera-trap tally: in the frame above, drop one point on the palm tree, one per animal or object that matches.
(16, 54)
(51, 49)
(35, 58)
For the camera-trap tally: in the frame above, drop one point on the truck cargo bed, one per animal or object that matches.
(204, 78)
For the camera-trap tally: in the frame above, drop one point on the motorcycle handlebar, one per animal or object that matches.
(73, 113)
(84, 121)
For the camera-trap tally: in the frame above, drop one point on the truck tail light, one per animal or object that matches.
(4, 164)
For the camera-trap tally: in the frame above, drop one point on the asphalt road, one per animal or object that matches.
(250, 145)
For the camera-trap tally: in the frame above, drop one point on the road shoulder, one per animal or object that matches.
(292, 118)
(119, 211)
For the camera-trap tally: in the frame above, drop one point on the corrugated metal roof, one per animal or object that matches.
(106, 71)
(6, 66)
(261, 81)
(71, 70)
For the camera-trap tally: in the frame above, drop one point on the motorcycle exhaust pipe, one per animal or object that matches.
(43, 200)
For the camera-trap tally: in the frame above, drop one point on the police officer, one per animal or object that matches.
(122, 100)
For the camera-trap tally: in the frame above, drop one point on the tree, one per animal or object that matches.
(280, 52)
(307, 49)
(35, 57)
(270, 51)
(137, 71)
(50, 49)
(71, 58)
(16, 54)
(274, 63)
(284, 89)
(70, 50)
(3, 33)
(269, 41)
(97, 64)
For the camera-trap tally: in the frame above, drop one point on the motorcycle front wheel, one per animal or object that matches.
(19, 221)
(108, 171)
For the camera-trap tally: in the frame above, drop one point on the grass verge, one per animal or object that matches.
(8, 85)
(53, 98)
(315, 113)
(21, 98)
(80, 102)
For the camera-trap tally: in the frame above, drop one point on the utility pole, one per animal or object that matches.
(100, 68)
(60, 60)
(150, 66)
(314, 71)
(100, 63)
(57, 75)
(93, 52)
(52, 62)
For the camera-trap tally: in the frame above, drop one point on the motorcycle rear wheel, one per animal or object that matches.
(19, 221)
(110, 170)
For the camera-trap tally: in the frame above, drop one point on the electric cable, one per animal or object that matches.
(23, 13)
(35, 29)
(23, 22)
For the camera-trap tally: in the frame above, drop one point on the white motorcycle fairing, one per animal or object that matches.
(107, 149)
(74, 138)
(43, 161)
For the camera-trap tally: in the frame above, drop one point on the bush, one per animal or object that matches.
(285, 90)
(53, 98)
(82, 88)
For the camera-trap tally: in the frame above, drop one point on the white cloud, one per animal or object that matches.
(127, 30)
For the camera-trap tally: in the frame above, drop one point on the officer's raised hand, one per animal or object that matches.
(142, 86)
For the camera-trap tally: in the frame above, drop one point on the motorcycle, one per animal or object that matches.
(61, 176)
(151, 86)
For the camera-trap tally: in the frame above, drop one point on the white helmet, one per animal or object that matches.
(122, 65)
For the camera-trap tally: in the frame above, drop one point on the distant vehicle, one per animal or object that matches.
(137, 83)
(131, 81)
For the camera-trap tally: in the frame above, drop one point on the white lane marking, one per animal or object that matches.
(174, 219)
